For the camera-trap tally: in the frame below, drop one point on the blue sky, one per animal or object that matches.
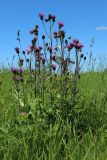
(83, 19)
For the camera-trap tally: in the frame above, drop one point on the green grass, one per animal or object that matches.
(46, 135)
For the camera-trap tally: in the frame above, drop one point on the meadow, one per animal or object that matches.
(49, 109)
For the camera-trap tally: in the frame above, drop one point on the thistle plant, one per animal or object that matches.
(48, 63)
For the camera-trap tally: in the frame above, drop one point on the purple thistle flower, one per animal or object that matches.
(43, 37)
(75, 41)
(20, 71)
(79, 46)
(16, 79)
(36, 49)
(27, 60)
(53, 18)
(17, 50)
(60, 24)
(55, 34)
(53, 66)
(23, 52)
(21, 60)
(41, 15)
(61, 34)
(70, 46)
(14, 70)
(49, 17)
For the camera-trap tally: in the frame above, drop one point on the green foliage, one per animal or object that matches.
(48, 131)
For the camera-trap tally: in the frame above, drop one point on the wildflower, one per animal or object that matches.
(16, 79)
(17, 50)
(55, 34)
(21, 61)
(79, 46)
(66, 42)
(27, 60)
(61, 34)
(20, 71)
(60, 24)
(41, 15)
(43, 37)
(70, 46)
(75, 41)
(23, 52)
(36, 49)
(53, 66)
(49, 17)
(82, 55)
(14, 70)
(53, 18)
(46, 44)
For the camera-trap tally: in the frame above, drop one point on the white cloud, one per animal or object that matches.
(101, 28)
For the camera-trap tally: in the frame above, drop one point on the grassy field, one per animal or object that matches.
(44, 133)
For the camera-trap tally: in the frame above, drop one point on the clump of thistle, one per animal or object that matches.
(49, 60)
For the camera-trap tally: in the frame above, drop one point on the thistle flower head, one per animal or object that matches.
(41, 15)
(20, 71)
(70, 46)
(53, 67)
(75, 41)
(61, 34)
(27, 60)
(79, 46)
(53, 18)
(60, 24)
(17, 79)
(55, 34)
(23, 52)
(14, 70)
(17, 50)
